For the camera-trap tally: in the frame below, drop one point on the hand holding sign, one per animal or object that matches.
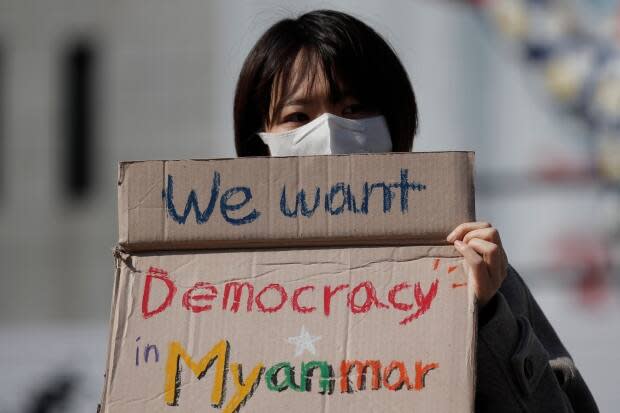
(480, 244)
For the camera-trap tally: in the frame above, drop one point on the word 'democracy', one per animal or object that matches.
(370, 375)
(234, 203)
(361, 297)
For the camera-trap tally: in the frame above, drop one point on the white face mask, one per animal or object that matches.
(331, 134)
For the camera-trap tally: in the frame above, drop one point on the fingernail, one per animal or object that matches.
(449, 237)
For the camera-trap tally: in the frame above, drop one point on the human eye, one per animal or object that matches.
(358, 110)
(295, 117)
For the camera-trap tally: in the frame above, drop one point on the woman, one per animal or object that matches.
(325, 77)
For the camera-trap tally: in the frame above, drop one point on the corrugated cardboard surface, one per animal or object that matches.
(366, 277)
(361, 199)
(442, 335)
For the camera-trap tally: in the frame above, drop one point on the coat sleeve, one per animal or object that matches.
(522, 366)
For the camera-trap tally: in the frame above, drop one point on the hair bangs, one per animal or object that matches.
(303, 69)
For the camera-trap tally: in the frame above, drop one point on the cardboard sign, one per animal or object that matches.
(368, 199)
(376, 315)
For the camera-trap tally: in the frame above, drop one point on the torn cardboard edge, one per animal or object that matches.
(359, 199)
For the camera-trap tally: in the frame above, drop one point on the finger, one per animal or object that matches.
(493, 256)
(490, 234)
(474, 259)
(464, 228)
(478, 273)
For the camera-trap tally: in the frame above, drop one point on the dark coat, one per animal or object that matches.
(522, 364)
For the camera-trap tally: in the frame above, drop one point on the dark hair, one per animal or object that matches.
(352, 56)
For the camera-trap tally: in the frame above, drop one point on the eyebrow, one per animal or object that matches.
(304, 100)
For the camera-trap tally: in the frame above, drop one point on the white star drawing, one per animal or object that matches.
(304, 341)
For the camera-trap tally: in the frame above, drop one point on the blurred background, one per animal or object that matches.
(532, 86)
